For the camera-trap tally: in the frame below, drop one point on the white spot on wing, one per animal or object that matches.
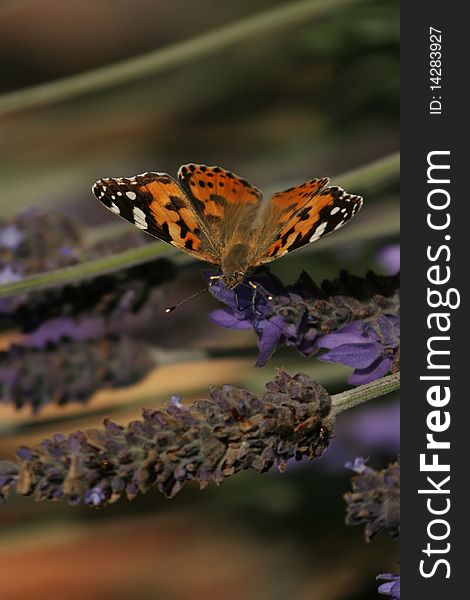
(114, 208)
(139, 218)
(318, 232)
(334, 210)
(132, 196)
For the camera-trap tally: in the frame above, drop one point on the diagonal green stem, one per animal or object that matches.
(86, 270)
(354, 397)
(371, 174)
(361, 178)
(170, 56)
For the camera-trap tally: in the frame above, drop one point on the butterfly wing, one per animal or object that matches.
(155, 203)
(226, 204)
(214, 209)
(302, 215)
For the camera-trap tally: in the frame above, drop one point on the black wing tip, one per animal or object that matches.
(341, 194)
(99, 189)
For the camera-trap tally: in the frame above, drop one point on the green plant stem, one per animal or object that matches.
(85, 270)
(171, 56)
(364, 393)
(384, 168)
(372, 174)
(360, 179)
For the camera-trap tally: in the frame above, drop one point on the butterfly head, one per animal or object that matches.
(233, 279)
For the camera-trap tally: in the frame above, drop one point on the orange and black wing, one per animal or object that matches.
(302, 215)
(226, 204)
(155, 203)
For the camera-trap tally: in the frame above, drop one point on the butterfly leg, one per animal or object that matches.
(237, 300)
(252, 305)
(214, 278)
(255, 288)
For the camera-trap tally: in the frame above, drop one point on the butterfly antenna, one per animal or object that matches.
(172, 308)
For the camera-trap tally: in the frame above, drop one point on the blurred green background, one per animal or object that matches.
(310, 96)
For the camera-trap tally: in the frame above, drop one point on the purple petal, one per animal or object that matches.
(224, 318)
(95, 497)
(351, 334)
(291, 331)
(386, 588)
(378, 426)
(359, 356)
(391, 588)
(220, 291)
(389, 327)
(11, 237)
(389, 259)
(24, 452)
(269, 336)
(7, 275)
(54, 330)
(307, 346)
(377, 370)
(175, 399)
(358, 465)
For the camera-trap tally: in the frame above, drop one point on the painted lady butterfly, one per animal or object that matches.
(220, 218)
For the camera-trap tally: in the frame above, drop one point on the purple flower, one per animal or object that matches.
(8, 275)
(176, 402)
(68, 370)
(24, 453)
(250, 308)
(56, 330)
(389, 258)
(370, 346)
(11, 237)
(391, 588)
(374, 499)
(358, 465)
(96, 496)
(300, 315)
(123, 293)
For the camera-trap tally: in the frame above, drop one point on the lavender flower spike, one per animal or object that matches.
(375, 499)
(210, 440)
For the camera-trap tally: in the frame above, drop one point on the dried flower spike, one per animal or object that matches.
(375, 499)
(71, 370)
(212, 439)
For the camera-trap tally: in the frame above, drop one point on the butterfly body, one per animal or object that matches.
(220, 218)
(235, 265)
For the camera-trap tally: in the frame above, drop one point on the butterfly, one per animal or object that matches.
(220, 218)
